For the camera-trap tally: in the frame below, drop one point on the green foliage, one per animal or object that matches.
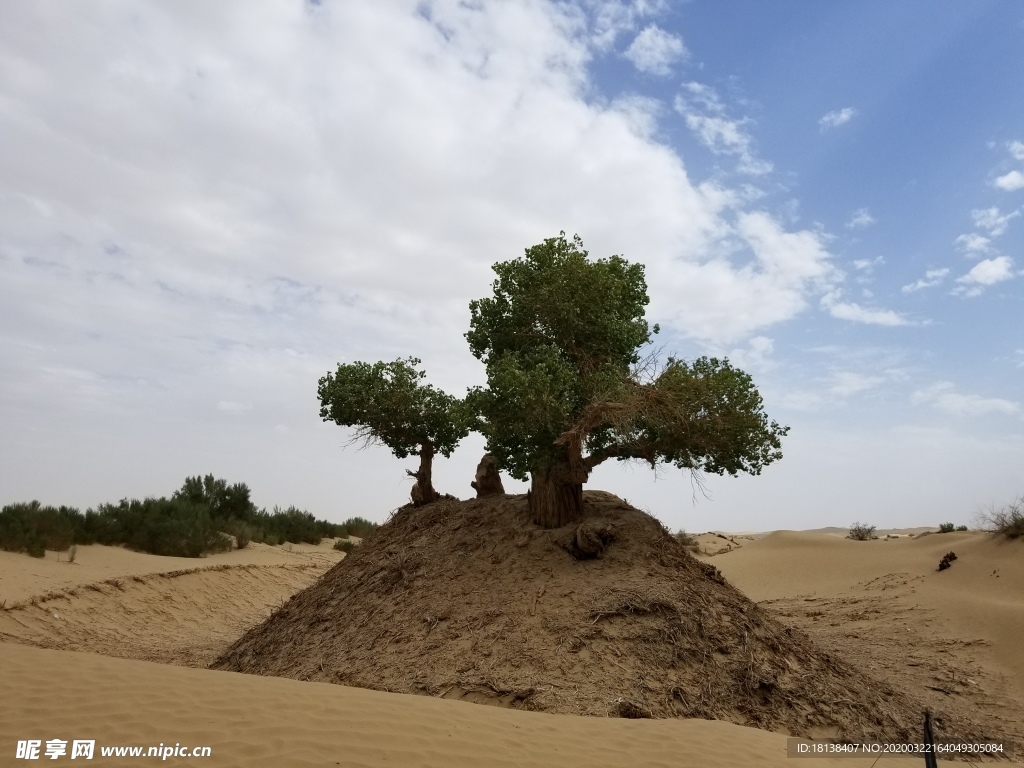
(946, 528)
(961, 528)
(242, 531)
(356, 526)
(388, 403)
(344, 545)
(705, 415)
(688, 540)
(558, 332)
(174, 527)
(561, 339)
(294, 525)
(861, 532)
(191, 523)
(224, 502)
(35, 528)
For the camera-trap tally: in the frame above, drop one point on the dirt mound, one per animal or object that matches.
(612, 617)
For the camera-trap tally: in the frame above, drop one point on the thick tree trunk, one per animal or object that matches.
(556, 497)
(423, 491)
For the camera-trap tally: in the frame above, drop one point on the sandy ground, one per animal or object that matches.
(78, 641)
(954, 637)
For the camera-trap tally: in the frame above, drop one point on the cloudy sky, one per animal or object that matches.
(204, 207)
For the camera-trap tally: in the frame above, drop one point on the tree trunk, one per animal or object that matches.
(423, 491)
(556, 497)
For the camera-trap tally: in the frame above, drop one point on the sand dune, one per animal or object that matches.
(252, 722)
(955, 638)
(954, 635)
(23, 577)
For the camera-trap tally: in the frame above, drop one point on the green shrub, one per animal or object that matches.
(356, 526)
(25, 524)
(191, 523)
(861, 532)
(344, 545)
(688, 541)
(946, 528)
(36, 548)
(961, 527)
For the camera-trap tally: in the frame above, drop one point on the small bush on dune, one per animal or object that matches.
(961, 527)
(36, 548)
(24, 527)
(946, 527)
(1009, 520)
(344, 545)
(687, 540)
(861, 532)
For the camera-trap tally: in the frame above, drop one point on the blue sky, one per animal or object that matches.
(206, 207)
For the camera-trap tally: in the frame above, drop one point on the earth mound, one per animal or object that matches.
(611, 617)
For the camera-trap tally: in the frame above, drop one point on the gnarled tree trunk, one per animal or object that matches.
(423, 491)
(556, 496)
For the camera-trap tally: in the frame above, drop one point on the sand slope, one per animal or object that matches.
(21, 576)
(152, 609)
(257, 722)
(880, 604)
(953, 638)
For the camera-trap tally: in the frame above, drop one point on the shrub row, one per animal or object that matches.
(197, 519)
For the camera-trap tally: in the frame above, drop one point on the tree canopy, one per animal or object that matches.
(569, 384)
(388, 403)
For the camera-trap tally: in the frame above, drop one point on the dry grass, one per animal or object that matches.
(861, 532)
(1008, 520)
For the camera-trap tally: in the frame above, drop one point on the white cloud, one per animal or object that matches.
(931, 278)
(993, 220)
(974, 244)
(756, 356)
(847, 383)
(860, 218)
(705, 115)
(654, 51)
(1010, 182)
(868, 265)
(944, 397)
(1016, 149)
(610, 18)
(985, 273)
(837, 117)
(719, 300)
(843, 310)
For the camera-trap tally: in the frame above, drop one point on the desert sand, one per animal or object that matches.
(79, 645)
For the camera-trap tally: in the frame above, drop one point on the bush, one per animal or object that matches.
(344, 545)
(191, 523)
(242, 532)
(688, 541)
(175, 527)
(946, 527)
(36, 548)
(1008, 521)
(356, 526)
(961, 527)
(32, 525)
(861, 532)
